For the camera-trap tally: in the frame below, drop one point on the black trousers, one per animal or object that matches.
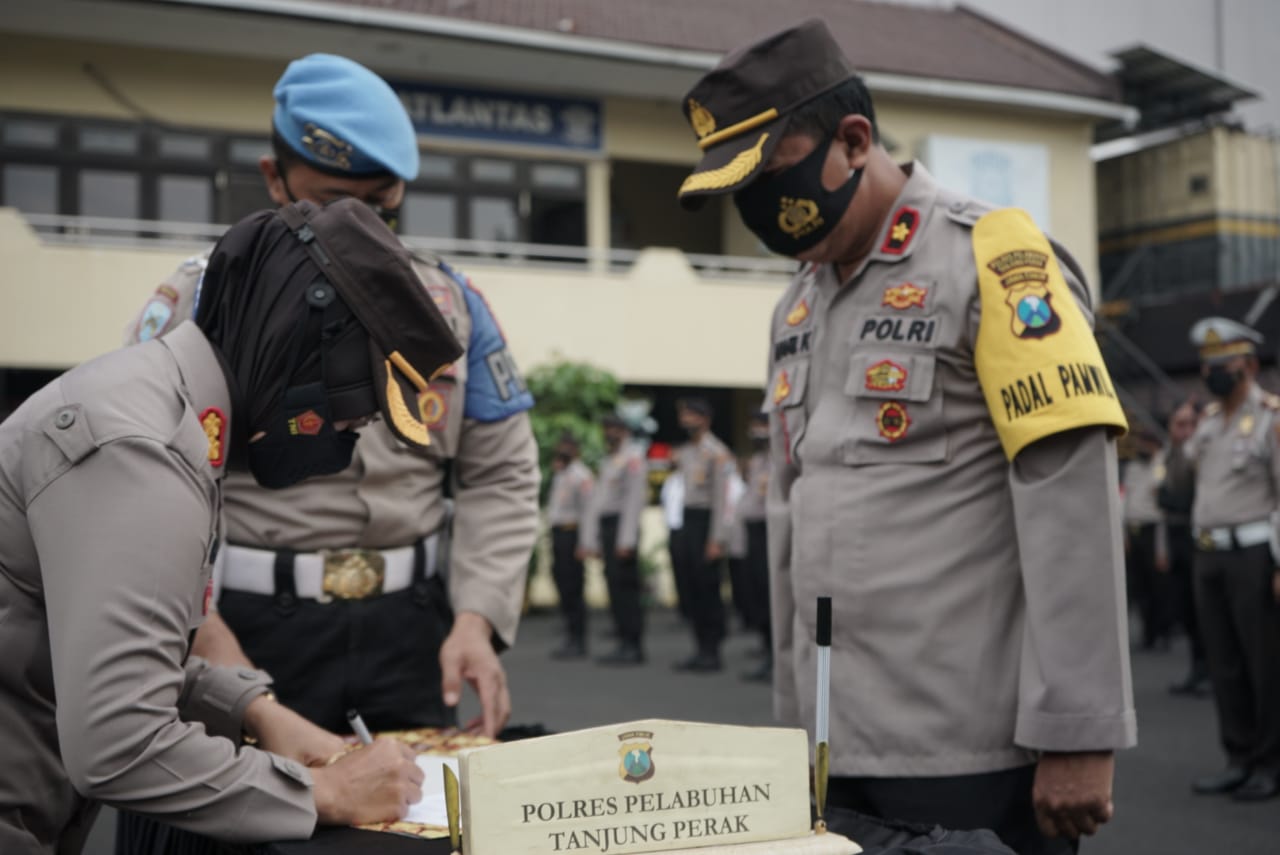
(570, 577)
(1000, 801)
(380, 656)
(623, 578)
(706, 605)
(675, 548)
(1182, 550)
(758, 578)
(1149, 590)
(739, 590)
(1241, 624)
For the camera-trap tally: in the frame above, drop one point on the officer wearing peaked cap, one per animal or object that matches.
(1236, 452)
(110, 490)
(365, 553)
(943, 464)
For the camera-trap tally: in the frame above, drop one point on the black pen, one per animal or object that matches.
(358, 727)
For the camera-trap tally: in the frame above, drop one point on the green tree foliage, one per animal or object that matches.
(571, 397)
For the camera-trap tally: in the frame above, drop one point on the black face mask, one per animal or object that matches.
(790, 211)
(302, 443)
(1222, 382)
(390, 216)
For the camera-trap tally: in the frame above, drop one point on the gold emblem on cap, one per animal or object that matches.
(799, 217)
(742, 165)
(701, 119)
(327, 147)
(1212, 337)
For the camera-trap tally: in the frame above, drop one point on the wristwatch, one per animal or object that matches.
(245, 737)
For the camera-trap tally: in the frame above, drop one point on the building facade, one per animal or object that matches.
(553, 145)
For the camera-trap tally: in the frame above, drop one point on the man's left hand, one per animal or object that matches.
(1072, 792)
(1275, 585)
(467, 654)
(714, 551)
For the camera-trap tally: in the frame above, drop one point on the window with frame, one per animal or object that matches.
(88, 167)
(497, 198)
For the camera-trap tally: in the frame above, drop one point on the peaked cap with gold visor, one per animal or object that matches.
(1221, 339)
(740, 109)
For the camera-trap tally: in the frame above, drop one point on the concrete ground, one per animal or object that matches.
(1155, 810)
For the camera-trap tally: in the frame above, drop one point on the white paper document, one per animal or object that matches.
(430, 809)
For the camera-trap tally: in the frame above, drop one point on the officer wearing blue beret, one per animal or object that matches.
(337, 587)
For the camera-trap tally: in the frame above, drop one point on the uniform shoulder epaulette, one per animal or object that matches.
(1270, 401)
(430, 259)
(1212, 409)
(962, 210)
(197, 262)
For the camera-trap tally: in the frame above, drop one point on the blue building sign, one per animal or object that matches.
(506, 117)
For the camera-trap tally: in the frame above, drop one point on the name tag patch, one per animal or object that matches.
(904, 330)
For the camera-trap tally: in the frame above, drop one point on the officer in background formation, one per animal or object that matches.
(568, 514)
(704, 462)
(736, 546)
(621, 494)
(1148, 588)
(751, 512)
(1236, 451)
(1175, 547)
(338, 587)
(943, 465)
(109, 527)
(671, 498)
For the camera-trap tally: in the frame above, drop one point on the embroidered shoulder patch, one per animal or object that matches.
(1036, 355)
(495, 390)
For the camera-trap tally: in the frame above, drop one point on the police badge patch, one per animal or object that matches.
(636, 752)
(157, 314)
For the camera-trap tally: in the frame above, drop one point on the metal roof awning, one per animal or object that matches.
(1169, 92)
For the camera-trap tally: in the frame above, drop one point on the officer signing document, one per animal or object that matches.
(943, 465)
(309, 322)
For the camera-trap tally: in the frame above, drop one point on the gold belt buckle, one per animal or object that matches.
(353, 574)
(1207, 542)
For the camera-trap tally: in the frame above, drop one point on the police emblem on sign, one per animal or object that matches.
(636, 752)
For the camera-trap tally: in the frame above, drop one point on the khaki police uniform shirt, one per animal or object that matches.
(391, 495)
(751, 508)
(1237, 462)
(979, 611)
(705, 465)
(1141, 480)
(569, 502)
(622, 490)
(108, 522)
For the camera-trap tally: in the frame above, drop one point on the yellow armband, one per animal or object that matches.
(1036, 357)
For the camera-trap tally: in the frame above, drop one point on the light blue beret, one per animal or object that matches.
(340, 116)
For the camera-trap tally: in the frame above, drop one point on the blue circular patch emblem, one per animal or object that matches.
(1034, 311)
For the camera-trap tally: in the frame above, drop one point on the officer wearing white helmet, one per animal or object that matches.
(1236, 451)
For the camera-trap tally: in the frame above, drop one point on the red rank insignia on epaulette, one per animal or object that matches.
(903, 229)
(214, 423)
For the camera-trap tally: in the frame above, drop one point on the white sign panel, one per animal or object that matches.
(1005, 174)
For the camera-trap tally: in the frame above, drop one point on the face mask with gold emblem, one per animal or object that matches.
(790, 211)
